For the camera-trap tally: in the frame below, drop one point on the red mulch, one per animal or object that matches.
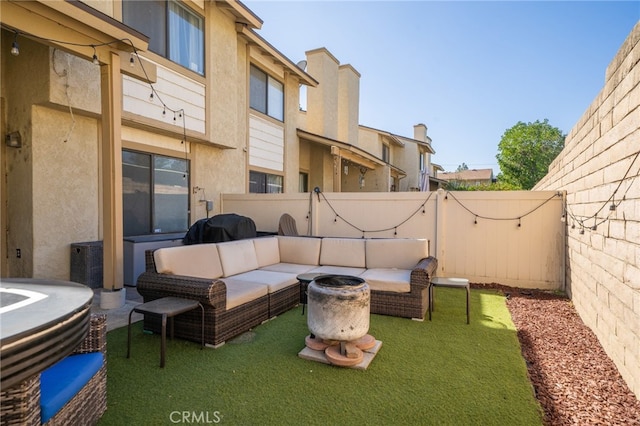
(573, 378)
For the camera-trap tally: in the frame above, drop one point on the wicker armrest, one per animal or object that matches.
(210, 292)
(96, 340)
(421, 273)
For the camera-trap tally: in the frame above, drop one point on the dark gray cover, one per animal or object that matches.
(220, 228)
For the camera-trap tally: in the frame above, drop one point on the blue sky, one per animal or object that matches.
(468, 70)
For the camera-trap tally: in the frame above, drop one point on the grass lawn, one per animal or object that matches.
(440, 372)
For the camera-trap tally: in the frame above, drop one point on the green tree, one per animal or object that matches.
(462, 167)
(525, 152)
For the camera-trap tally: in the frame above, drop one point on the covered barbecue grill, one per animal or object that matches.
(220, 228)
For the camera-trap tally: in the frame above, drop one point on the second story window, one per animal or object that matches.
(174, 31)
(385, 153)
(266, 94)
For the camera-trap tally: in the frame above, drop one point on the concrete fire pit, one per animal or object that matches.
(338, 319)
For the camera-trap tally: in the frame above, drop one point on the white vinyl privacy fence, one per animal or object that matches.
(514, 238)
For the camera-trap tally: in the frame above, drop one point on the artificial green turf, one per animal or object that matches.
(439, 372)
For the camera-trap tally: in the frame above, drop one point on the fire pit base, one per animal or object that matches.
(319, 356)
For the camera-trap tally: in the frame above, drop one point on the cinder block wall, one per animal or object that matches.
(598, 167)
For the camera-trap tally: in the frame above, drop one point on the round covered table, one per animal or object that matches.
(41, 322)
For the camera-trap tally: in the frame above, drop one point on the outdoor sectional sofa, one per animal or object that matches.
(243, 283)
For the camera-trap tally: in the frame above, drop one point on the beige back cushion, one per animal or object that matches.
(400, 253)
(197, 260)
(267, 251)
(300, 250)
(343, 252)
(237, 257)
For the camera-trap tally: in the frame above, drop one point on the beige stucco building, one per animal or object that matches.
(128, 120)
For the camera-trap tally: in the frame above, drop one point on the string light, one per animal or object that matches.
(394, 228)
(15, 47)
(612, 207)
(95, 56)
(475, 220)
(15, 50)
(518, 218)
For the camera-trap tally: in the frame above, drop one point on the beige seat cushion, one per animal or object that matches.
(237, 257)
(343, 252)
(301, 250)
(401, 253)
(388, 279)
(241, 292)
(337, 270)
(273, 280)
(291, 268)
(198, 260)
(267, 251)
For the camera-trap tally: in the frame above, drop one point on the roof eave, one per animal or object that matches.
(253, 38)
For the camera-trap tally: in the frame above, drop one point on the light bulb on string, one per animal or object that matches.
(132, 61)
(95, 56)
(15, 47)
(151, 97)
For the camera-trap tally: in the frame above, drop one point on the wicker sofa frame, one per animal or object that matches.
(220, 324)
(407, 305)
(20, 404)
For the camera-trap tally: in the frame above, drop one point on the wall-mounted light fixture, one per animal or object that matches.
(13, 140)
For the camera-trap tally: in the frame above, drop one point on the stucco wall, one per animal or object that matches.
(24, 81)
(599, 161)
(66, 195)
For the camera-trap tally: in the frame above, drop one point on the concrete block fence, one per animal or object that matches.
(599, 170)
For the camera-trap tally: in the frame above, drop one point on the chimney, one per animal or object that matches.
(322, 101)
(420, 132)
(348, 104)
